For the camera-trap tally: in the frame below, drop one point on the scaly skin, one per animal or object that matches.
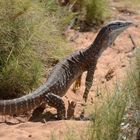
(65, 73)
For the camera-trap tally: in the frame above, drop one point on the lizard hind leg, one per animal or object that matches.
(77, 84)
(56, 102)
(39, 110)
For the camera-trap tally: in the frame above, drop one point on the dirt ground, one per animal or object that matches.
(111, 66)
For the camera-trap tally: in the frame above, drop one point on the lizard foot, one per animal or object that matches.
(71, 109)
(56, 102)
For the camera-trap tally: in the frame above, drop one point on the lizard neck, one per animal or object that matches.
(94, 51)
(98, 46)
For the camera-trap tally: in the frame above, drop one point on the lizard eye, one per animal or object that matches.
(119, 24)
(109, 29)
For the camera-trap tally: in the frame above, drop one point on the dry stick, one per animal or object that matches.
(134, 44)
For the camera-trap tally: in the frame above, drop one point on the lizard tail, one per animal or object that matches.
(22, 104)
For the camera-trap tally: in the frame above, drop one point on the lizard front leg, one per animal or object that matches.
(89, 81)
(71, 109)
(56, 102)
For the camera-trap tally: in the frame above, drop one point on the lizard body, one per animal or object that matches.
(65, 73)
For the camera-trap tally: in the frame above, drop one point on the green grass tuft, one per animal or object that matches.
(133, 86)
(108, 117)
(97, 11)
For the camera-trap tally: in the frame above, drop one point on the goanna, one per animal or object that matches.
(65, 73)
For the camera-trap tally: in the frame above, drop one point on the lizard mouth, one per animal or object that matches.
(129, 23)
(116, 33)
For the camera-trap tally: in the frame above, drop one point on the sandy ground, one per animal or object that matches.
(112, 65)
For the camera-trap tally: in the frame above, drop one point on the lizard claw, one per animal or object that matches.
(85, 98)
(71, 109)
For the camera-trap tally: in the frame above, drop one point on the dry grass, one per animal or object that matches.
(20, 67)
(133, 82)
(30, 35)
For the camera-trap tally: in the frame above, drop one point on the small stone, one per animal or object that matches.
(126, 126)
(30, 136)
(130, 55)
(122, 124)
(102, 81)
(124, 137)
(123, 65)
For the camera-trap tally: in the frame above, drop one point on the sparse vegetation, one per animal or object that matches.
(107, 117)
(133, 80)
(133, 87)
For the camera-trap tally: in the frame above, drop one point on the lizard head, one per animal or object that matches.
(109, 32)
(115, 28)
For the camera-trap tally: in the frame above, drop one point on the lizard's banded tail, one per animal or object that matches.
(22, 104)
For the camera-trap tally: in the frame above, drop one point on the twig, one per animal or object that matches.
(134, 44)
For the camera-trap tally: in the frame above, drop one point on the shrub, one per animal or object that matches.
(28, 37)
(108, 116)
(61, 16)
(20, 68)
(90, 12)
(53, 43)
(96, 11)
